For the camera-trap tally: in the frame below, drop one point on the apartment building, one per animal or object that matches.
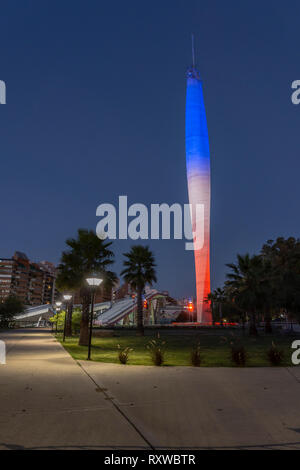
(33, 283)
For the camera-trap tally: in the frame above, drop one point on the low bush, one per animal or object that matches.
(238, 355)
(156, 350)
(196, 358)
(123, 354)
(275, 355)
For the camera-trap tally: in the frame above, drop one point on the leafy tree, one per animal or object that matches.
(283, 256)
(87, 254)
(247, 286)
(139, 270)
(264, 283)
(11, 306)
(67, 282)
(59, 319)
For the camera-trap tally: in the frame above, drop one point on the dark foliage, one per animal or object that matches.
(196, 358)
(156, 350)
(238, 355)
(10, 307)
(123, 354)
(275, 355)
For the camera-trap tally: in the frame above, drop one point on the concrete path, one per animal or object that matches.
(207, 408)
(49, 401)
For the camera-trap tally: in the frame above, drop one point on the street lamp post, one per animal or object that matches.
(58, 304)
(94, 282)
(67, 298)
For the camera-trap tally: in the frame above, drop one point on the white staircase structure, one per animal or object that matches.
(107, 313)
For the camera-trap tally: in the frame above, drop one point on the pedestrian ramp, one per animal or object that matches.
(117, 311)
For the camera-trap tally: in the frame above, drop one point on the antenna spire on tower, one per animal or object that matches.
(193, 50)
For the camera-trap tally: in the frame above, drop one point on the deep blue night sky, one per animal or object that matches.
(95, 109)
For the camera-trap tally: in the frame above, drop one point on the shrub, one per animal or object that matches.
(238, 355)
(196, 358)
(8, 308)
(58, 318)
(275, 355)
(76, 319)
(156, 350)
(123, 354)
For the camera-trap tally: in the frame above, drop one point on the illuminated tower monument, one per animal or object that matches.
(198, 176)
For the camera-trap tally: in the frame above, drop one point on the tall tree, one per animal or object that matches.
(139, 270)
(87, 254)
(218, 299)
(67, 282)
(8, 309)
(111, 280)
(283, 256)
(247, 285)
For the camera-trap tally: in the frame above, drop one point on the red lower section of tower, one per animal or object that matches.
(198, 176)
(202, 265)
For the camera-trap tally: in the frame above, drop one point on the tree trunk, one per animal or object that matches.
(220, 314)
(253, 329)
(155, 313)
(211, 305)
(140, 323)
(243, 323)
(69, 319)
(84, 323)
(268, 325)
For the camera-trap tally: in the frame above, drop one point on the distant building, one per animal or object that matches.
(33, 283)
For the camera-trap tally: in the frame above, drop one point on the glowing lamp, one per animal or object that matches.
(93, 281)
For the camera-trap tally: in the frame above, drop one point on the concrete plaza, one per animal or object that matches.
(50, 401)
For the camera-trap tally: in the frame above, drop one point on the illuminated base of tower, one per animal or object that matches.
(202, 267)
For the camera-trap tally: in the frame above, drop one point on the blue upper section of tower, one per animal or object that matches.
(197, 146)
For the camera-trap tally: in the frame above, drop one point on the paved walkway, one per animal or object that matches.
(48, 400)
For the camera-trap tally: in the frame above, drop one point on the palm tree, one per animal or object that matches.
(211, 300)
(217, 298)
(110, 284)
(87, 254)
(139, 271)
(246, 286)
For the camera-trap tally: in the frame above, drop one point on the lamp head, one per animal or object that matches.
(94, 280)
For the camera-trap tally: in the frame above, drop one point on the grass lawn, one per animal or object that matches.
(215, 347)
